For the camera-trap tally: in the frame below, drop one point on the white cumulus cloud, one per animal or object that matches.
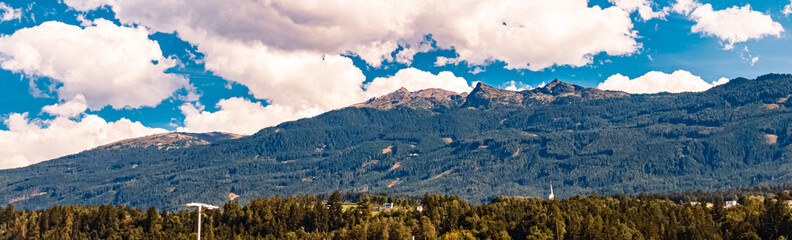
(517, 86)
(787, 9)
(69, 109)
(643, 7)
(685, 6)
(301, 80)
(239, 115)
(7, 13)
(84, 5)
(529, 34)
(105, 63)
(732, 25)
(413, 80)
(655, 82)
(32, 141)
(522, 33)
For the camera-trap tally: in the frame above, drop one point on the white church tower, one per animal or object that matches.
(552, 196)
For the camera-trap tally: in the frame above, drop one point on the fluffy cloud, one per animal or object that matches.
(413, 79)
(643, 7)
(655, 82)
(529, 34)
(238, 115)
(105, 63)
(84, 5)
(787, 9)
(32, 141)
(732, 25)
(370, 29)
(517, 86)
(685, 6)
(302, 80)
(69, 109)
(524, 34)
(7, 13)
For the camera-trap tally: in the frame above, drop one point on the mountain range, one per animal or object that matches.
(488, 143)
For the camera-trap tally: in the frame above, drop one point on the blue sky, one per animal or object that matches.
(248, 70)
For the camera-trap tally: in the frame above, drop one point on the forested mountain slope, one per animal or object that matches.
(488, 143)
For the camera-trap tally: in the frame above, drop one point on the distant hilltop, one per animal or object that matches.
(171, 140)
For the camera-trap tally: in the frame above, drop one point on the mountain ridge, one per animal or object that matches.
(486, 96)
(583, 140)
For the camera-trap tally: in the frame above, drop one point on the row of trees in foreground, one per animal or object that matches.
(442, 217)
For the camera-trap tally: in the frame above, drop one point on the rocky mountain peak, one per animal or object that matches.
(400, 91)
(422, 99)
(557, 87)
(171, 140)
(487, 96)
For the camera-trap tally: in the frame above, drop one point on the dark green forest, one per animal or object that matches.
(765, 216)
(478, 146)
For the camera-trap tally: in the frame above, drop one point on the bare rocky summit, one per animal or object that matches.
(423, 99)
(171, 140)
(558, 89)
(485, 96)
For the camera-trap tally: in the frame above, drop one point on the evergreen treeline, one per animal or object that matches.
(442, 217)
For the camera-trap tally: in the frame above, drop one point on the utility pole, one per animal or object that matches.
(200, 206)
